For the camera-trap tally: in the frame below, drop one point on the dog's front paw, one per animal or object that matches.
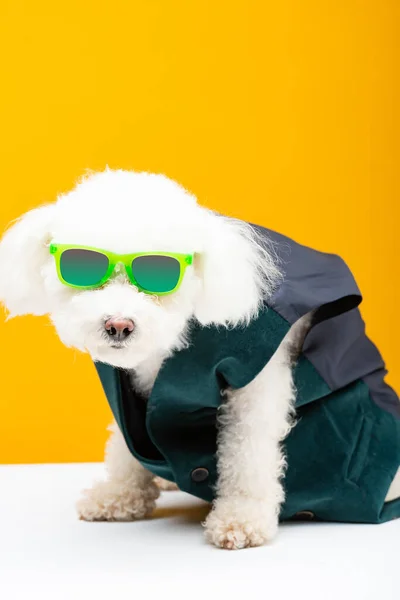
(240, 522)
(115, 501)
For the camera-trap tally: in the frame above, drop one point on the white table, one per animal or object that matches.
(47, 553)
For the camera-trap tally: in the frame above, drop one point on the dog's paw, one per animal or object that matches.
(114, 501)
(164, 485)
(236, 523)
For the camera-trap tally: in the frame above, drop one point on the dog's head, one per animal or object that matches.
(126, 212)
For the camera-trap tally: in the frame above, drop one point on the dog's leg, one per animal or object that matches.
(253, 422)
(165, 485)
(129, 492)
(394, 490)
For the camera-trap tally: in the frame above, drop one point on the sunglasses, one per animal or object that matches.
(86, 268)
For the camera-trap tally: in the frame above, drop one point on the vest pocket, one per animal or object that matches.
(359, 454)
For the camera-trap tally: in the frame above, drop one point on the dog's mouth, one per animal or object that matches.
(115, 353)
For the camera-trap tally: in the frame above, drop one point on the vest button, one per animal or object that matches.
(306, 515)
(200, 474)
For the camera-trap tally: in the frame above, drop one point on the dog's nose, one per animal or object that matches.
(119, 328)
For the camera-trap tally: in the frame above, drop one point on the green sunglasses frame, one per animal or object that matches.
(113, 260)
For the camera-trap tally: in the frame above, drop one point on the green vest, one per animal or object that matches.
(343, 452)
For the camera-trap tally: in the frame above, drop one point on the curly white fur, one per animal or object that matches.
(231, 276)
(129, 492)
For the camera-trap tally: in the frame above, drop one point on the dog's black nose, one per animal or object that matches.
(119, 328)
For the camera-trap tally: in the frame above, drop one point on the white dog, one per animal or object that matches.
(233, 274)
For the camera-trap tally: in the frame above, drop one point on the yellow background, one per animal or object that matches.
(284, 113)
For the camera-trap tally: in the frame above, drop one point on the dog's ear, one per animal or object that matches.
(238, 272)
(23, 253)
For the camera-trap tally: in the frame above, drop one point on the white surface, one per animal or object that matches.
(47, 553)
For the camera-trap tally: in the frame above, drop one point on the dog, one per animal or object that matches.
(181, 304)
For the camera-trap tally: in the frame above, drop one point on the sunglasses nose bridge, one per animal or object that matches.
(120, 269)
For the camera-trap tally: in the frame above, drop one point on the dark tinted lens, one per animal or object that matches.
(83, 267)
(156, 274)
